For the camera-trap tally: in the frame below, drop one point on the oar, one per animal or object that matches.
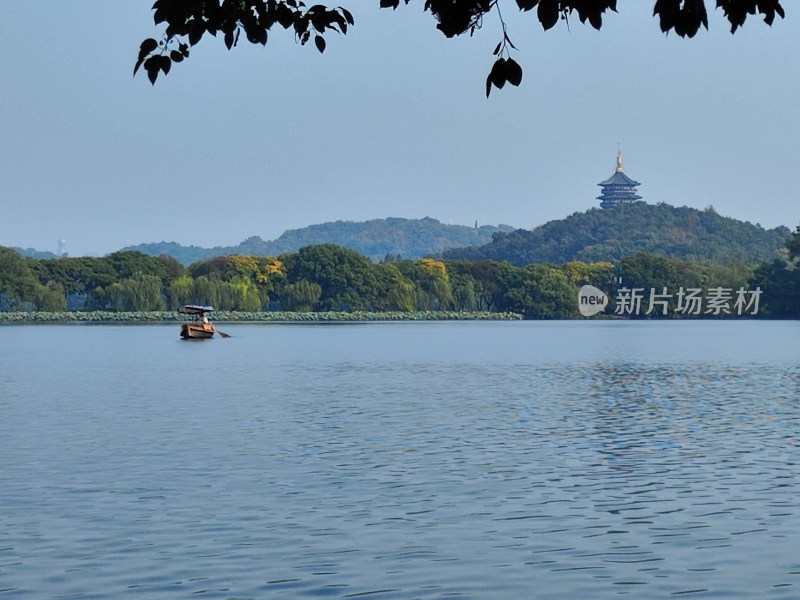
(221, 333)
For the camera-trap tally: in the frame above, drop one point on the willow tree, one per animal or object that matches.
(187, 22)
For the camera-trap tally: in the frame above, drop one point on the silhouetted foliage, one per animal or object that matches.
(186, 22)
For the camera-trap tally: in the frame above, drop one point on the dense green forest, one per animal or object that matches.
(609, 234)
(326, 277)
(375, 239)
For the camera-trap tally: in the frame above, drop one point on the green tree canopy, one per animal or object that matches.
(16, 279)
(331, 278)
(394, 290)
(129, 263)
(21, 290)
(793, 245)
(188, 21)
(538, 291)
(779, 281)
(75, 274)
(346, 278)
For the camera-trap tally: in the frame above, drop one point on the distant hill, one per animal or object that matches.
(30, 252)
(611, 233)
(409, 238)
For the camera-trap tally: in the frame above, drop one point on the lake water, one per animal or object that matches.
(583, 459)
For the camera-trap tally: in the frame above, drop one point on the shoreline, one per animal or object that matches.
(20, 317)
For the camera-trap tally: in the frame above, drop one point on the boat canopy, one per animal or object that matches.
(194, 309)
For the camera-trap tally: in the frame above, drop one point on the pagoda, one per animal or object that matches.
(619, 188)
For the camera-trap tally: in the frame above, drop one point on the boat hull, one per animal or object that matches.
(197, 331)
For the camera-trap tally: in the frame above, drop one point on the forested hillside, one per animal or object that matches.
(329, 278)
(609, 234)
(375, 239)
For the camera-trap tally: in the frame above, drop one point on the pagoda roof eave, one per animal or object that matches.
(619, 178)
(620, 199)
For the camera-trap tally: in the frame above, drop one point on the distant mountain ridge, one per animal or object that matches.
(609, 234)
(597, 234)
(408, 238)
(33, 253)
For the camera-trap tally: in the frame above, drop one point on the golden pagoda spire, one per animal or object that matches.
(619, 159)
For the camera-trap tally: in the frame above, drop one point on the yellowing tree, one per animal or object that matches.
(433, 267)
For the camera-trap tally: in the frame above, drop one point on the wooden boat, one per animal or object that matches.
(199, 328)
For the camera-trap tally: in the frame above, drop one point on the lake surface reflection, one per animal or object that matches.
(406, 460)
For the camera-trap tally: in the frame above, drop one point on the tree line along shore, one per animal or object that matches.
(329, 282)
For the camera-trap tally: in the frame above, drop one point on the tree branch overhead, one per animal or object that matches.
(186, 22)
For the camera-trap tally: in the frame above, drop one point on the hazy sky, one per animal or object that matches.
(391, 121)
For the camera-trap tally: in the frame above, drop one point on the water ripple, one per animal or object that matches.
(353, 476)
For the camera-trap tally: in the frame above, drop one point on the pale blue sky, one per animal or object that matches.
(391, 121)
